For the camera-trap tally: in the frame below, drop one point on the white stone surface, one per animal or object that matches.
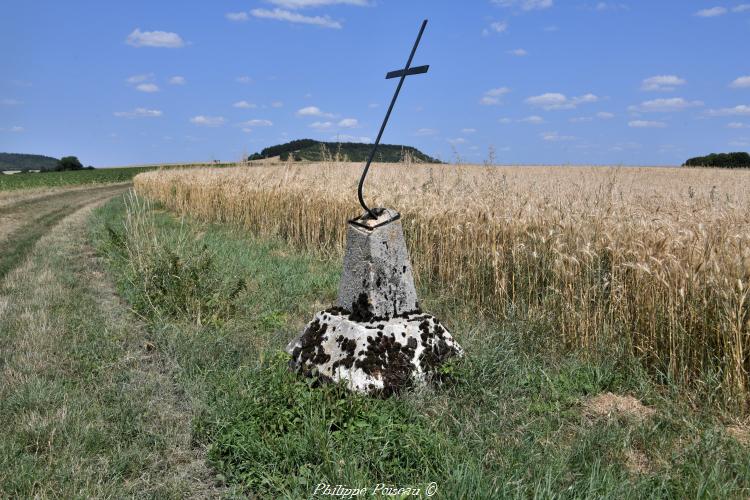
(377, 356)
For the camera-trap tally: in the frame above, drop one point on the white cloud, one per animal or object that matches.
(555, 137)
(139, 78)
(277, 104)
(313, 111)
(244, 79)
(426, 131)
(736, 125)
(741, 109)
(492, 96)
(605, 115)
(468, 130)
(293, 17)
(348, 123)
(662, 83)
(456, 141)
(147, 87)
(499, 26)
(351, 138)
(740, 143)
(10, 102)
(207, 121)
(741, 82)
(244, 105)
(665, 105)
(581, 119)
(741, 7)
(646, 124)
(505, 120)
(139, 113)
(177, 80)
(526, 4)
(321, 125)
(533, 119)
(162, 39)
(257, 123)
(302, 4)
(247, 130)
(518, 52)
(712, 12)
(14, 128)
(554, 101)
(237, 16)
(602, 6)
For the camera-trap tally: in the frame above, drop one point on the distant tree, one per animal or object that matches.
(69, 163)
(721, 160)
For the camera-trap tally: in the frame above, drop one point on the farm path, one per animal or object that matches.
(91, 407)
(27, 217)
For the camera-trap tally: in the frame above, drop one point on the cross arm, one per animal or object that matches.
(411, 71)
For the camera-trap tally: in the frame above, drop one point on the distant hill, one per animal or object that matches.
(311, 150)
(720, 160)
(17, 161)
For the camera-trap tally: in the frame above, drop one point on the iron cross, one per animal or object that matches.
(401, 74)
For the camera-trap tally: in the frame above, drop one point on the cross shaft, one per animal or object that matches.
(401, 74)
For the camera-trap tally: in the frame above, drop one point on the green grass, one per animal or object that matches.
(511, 423)
(69, 178)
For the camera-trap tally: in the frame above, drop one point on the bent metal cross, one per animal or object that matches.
(401, 74)
(376, 339)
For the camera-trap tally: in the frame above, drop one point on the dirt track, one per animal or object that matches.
(28, 218)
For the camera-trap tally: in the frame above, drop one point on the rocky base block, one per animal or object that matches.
(378, 356)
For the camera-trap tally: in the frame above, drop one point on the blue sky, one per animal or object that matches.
(540, 81)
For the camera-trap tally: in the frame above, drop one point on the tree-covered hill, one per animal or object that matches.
(311, 150)
(17, 161)
(720, 160)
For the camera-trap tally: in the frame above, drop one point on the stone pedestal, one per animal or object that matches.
(376, 339)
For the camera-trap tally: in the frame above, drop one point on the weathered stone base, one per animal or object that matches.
(379, 356)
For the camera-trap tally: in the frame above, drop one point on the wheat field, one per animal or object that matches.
(657, 258)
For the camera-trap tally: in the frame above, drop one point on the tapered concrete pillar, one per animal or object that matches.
(377, 280)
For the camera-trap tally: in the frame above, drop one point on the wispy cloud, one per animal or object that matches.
(526, 4)
(742, 82)
(294, 17)
(277, 104)
(736, 125)
(163, 39)
(10, 102)
(349, 123)
(492, 96)
(646, 124)
(518, 52)
(147, 87)
(303, 4)
(177, 80)
(468, 130)
(244, 105)
(665, 105)
(423, 132)
(14, 129)
(321, 125)
(351, 138)
(257, 123)
(237, 16)
(556, 101)
(605, 115)
(207, 121)
(244, 79)
(743, 7)
(533, 119)
(555, 137)
(712, 12)
(139, 113)
(664, 83)
(741, 109)
(313, 111)
(139, 78)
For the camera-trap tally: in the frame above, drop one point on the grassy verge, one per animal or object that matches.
(87, 408)
(520, 419)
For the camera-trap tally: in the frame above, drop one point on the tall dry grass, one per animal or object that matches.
(657, 257)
